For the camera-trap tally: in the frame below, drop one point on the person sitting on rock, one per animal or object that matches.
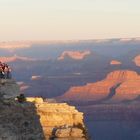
(21, 98)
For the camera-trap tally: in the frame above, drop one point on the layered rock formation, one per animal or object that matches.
(15, 58)
(117, 86)
(59, 120)
(77, 55)
(115, 62)
(137, 60)
(36, 119)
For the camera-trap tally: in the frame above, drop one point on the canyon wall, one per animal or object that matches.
(117, 86)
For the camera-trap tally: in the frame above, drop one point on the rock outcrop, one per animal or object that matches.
(36, 77)
(59, 120)
(115, 62)
(137, 60)
(117, 86)
(77, 55)
(36, 119)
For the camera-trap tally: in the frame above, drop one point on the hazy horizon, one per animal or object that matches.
(69, 20)
(137, 38)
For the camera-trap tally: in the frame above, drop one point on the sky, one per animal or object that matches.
(68, 19)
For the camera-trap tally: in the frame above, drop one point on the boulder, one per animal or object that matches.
(63, 133)
(76, 132)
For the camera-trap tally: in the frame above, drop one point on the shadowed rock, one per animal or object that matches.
(8, 89)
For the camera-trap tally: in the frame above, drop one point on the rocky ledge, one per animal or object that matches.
(38, 120)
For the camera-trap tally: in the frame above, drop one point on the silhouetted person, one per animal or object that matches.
(21, 98)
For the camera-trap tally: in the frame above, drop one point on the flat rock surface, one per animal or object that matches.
(8, 89)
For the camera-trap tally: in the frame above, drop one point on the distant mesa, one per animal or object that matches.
(102, 40)
(126, 39)
(15, 44)
(137, 60)
(23, 86)
(128, 88)
(20, 83)
(77, 73)
(12, 45)
(15, 58)
(137, 39)
(115, 62)
(77, 55)
(36, 77)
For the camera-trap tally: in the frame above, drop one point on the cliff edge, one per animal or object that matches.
(36, 119)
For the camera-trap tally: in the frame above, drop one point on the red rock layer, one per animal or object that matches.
(129, 88)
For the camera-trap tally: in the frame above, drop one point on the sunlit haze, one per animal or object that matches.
(68, 19)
